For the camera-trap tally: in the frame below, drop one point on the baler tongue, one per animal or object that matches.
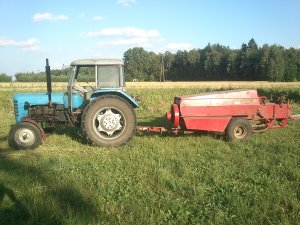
(295, 117)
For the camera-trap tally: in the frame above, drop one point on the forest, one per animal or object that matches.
(216, 63)
(212, 63)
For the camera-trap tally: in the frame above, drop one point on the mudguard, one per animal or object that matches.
(117, 92)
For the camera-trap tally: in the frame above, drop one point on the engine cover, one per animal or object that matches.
(22, 102)
(50, 115)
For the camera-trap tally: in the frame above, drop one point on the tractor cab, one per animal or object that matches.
(108, 73)
(97, 74)
(90, 78)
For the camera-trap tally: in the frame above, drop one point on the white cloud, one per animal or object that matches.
(26, 45)
(126, 31)
(179, 46)
(126, 2)
(98, 18)
(31, 49)
(138, 41)
(40, 17)
(135, 37)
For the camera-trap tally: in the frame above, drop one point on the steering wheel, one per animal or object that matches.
(79, 88)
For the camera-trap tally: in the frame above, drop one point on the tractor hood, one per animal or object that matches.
(23, 101)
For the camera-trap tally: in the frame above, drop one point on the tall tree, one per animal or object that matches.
(135, 62)
(252, 61)
(291, 65)
(193, 58)
(277, 67)
(179, 66)
(264, 62)
(168, 59)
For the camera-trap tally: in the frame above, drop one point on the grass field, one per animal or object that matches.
(154, 179)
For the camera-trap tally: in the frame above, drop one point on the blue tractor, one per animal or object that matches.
(104, 111)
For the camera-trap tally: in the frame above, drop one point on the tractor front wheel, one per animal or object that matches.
(238, 129)
(24, 135)
(108, 120)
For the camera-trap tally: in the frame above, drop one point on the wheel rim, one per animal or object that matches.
(240, 132)
(109, 123)
(25, 136)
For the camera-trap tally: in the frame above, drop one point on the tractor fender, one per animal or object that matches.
(37, 125)
(117, 92)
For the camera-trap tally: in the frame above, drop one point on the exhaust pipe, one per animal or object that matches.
(48, 77)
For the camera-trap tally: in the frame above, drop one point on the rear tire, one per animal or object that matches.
(238, 129)
(108, 120)
(24, 135)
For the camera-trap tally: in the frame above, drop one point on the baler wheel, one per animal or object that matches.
(238, 129)
(109, 120)
(24, 135)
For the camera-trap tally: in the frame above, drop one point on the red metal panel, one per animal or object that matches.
(217, 124)
(248, 111)
(266, 111)
(274, 111)
(281, 111)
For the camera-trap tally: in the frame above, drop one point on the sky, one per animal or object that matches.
(65, 30)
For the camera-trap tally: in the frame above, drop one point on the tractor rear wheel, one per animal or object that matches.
(238, 129)
(108, 120)
(24, 135)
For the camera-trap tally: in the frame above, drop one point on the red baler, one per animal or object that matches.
(238, 113)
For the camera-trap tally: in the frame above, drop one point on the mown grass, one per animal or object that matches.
(154, 179)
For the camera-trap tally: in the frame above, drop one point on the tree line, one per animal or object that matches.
(5, 78)
(86, 74)
(215, 63)
(212, 63)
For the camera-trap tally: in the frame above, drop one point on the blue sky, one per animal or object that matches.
(64, 30)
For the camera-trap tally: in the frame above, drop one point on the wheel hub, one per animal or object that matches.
(240, 132)
(109, 122)
(26, 136)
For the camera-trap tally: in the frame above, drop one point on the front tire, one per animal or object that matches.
(108, 120)
(238, 129)
(24, 135)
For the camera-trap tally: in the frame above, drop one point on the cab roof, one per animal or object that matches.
(93, 62)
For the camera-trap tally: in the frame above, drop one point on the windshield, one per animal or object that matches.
(85, 74)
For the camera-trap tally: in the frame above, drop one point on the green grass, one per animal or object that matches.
(154, 179)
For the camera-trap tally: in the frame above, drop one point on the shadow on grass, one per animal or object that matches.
(59, 202)
(3, 138)
(4, 147)
(15, 213)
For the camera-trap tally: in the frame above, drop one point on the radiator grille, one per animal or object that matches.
(16, 108)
